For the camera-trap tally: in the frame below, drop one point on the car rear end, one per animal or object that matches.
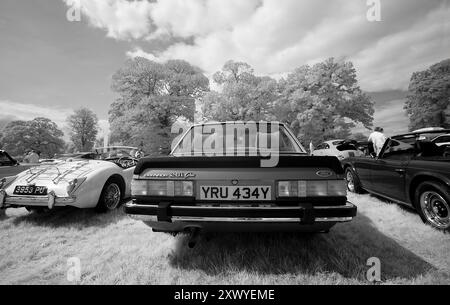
(47, 185)
(301, 193)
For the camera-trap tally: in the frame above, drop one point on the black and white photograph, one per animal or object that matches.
(224, 149)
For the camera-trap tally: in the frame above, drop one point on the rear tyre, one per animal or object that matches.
(432, 202)
(353, 183)
(110, 197)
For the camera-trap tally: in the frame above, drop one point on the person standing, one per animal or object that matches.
(377, 138)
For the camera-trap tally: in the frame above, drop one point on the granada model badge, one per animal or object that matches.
(324, 173)
(171, 175)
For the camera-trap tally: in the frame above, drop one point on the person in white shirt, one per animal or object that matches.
(377, 138)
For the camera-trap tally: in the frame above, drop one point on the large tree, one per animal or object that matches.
(428, 102)
(152, 96)
(40, 134)
(83, 124)
(244, 96)
(323, 101)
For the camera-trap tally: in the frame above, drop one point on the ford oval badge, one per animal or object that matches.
(324, 173)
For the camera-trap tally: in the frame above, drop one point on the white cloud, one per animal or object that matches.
(138, 52)
(122, 19)
(22, 111)
(277, 36)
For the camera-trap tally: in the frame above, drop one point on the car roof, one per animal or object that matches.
(417, 134)
(443, 135)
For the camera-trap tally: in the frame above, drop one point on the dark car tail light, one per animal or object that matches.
(162, 188)
(312, 188)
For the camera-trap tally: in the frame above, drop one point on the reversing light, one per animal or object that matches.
(184, 188)
(288, 188)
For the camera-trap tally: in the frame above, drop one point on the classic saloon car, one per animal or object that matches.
(410, 170)
(218, 177)
(80, 183)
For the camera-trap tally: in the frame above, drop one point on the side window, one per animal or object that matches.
(443, 139)
(397, 150)
(326, 146)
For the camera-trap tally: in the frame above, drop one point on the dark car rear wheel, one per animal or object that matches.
(432, 202)
(110, 196)
(353, 183)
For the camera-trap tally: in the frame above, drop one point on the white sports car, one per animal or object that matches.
(99, 184)
(340, 148)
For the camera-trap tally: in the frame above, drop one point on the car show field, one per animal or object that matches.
(115, 249)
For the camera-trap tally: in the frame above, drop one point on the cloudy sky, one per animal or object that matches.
(49, 66)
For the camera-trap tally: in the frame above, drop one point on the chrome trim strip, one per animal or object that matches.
(233, 219)
(154, 218)
(131, 204)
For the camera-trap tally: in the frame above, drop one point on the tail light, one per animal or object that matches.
(75, 184)
(313, 188)
(162, 188)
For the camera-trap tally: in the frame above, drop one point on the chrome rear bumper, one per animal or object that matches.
(176, 217)
(49, 200)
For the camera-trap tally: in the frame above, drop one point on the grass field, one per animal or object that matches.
(114, 249)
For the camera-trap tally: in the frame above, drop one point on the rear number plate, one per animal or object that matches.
(238, 193)
(30, 190)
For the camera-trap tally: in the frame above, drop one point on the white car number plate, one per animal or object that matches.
(238, 193)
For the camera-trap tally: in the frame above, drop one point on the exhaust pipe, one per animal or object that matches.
(194, 233)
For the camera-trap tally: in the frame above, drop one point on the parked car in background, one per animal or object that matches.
(227, 189)
(442, 140)
(80, 183)
(9, 166)
(342, 149)
(78, 155)
(428, 129)
(116, 151)
(410, 170)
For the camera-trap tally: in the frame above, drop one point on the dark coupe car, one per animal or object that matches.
(410, 170)
(228, 187)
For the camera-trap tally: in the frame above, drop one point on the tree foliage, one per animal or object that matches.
(40, 134)
(83, 124)
(152, 96)
(319, 102)
(428, 102)
(323, 101)
(244, 96)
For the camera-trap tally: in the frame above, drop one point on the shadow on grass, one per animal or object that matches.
(344, 250)
(71, 217)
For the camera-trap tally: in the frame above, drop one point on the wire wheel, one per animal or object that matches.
(112, 196)
(435, 209)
